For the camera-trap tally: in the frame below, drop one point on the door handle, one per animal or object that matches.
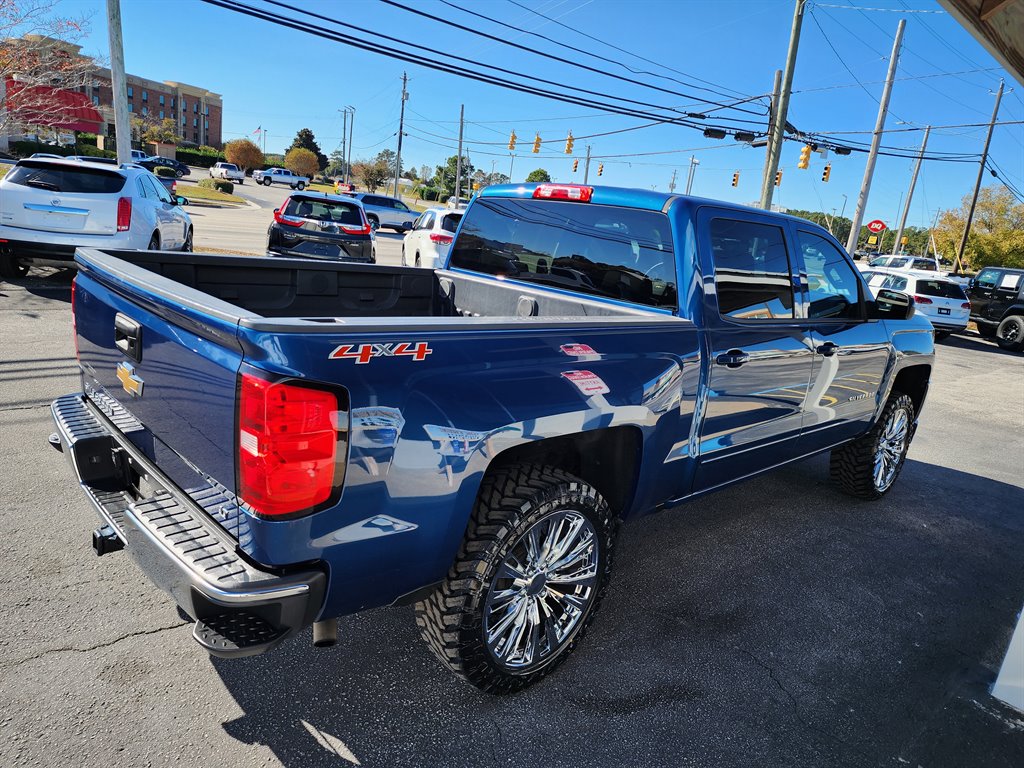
(734, 358)
(128, 337)
(827, 349)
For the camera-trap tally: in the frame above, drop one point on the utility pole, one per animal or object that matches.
(351, 128)
(511, 165)
(876, 140)
(769, 158)
(694, 162)
(122, 122)
(672, 184)
(458, 160)
(401, 127)
(780, 109)
(344, 136)
(586, 166)
(977, 184)
(910, 192)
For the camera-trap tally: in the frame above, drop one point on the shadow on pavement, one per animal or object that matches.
(775, 623)
(974, 342)
(47, 282)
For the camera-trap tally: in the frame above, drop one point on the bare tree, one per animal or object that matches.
(38, 53)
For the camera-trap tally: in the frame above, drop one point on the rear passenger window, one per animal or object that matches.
(987, 278)
(752, 275)
(450, 223)
(895, 283)
(832, 281)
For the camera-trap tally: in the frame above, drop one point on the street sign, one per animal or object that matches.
(872, 240)
(876, 226)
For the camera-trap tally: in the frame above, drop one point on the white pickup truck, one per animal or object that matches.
(280, 176)
(228, 171)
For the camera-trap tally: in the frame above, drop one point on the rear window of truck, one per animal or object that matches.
(601, 250)
(65, 178)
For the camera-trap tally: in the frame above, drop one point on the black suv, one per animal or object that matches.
(997, 305)
(152, 163)
(321, 226)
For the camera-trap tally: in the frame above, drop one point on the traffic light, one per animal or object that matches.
(575, 165)
(600, 169)
(512, 141)
(826, 172)
(736, 179)
(805, 157)
(569, 141)
(536, 144)
(778, 179)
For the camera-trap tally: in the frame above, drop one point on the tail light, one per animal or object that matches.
(288, 446)
(923, 300)
(440, 239)
(363, 229)
(564, 192)
(965, 305)
(124, 214)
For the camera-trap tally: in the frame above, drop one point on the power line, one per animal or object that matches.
(861, 84)
(917, 128)
(885, 10)
(630, 53)
(568, 62)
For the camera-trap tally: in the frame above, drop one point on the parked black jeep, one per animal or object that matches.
(997, 305)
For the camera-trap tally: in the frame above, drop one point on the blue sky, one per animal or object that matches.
(284, 80)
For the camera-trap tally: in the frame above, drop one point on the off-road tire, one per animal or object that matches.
(511, 500)
(1010, 333)
(852, 466)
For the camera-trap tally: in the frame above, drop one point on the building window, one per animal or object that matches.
(207, 124)
(184, 120)
(207, 113)
(173, 114)
(129, 91)
(145, 96)
(161, 100)
(184, 105)
(172, 102)
(95, 101)
(145, 110)
(161, 114)
(195, 137)
(195, 107)
(95, 86)
(131, 107)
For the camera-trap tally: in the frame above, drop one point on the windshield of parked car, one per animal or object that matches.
(324, 210)
(621, 253)
(943, 288)
(62, 178)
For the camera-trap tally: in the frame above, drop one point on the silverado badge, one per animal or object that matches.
(131, 383)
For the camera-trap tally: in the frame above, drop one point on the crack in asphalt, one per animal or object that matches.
(24, 407)
(90, 648)
(796, 706)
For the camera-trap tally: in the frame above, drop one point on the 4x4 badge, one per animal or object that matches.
(417, 350)
(131, 383)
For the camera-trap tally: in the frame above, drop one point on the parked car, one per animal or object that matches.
(341, 187)
(454, 204)
(941, 300)
(321, 226)
(427, 243)
(997, 305)
(155, 161)
(916, 263)
(37, 155)
(384, 211)
(322, 438)
(50, 207)
(280, 176)
(138, 155)
(228, 171)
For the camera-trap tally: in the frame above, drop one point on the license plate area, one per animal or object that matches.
(943, 310)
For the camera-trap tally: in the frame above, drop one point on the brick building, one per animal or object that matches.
(197, 112)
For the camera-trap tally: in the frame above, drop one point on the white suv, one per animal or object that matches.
(430, 239)
(50, 207)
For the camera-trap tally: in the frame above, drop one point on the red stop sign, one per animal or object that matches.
(876, 226)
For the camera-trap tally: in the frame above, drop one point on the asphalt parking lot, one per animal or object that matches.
(244, 229)
(776, 623)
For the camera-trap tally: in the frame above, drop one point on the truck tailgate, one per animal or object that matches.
(164, 372)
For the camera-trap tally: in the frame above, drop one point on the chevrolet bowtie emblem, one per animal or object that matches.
(131, 383)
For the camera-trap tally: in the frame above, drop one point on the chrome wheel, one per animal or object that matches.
(892, 444)
(543, 588)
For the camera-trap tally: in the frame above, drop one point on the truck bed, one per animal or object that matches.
(277, 294)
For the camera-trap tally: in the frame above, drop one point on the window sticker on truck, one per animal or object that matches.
(578, 350)
(587, 382)
(417, 350)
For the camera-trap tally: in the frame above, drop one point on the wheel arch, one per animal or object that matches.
(913, 382)
(608, 459)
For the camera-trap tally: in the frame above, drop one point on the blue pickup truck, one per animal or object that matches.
(281, 442)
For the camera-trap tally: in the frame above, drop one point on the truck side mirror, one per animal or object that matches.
(891, 305)
(179, 200)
